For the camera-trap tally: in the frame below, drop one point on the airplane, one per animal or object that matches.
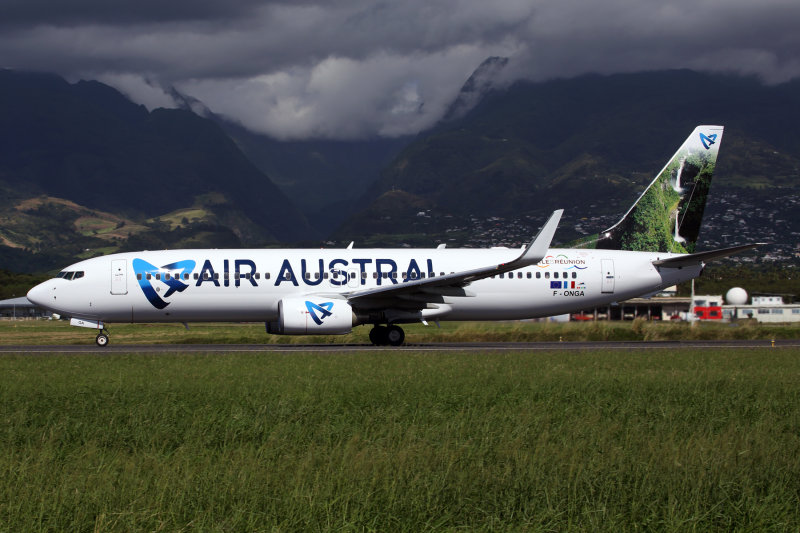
(331, 291)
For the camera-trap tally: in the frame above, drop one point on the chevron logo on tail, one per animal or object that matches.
(708, 140)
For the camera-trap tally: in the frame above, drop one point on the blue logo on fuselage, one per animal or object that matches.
(145, 272)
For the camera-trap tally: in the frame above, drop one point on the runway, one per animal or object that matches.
(433, 347)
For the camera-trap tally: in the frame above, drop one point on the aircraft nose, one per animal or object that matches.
(38, 294)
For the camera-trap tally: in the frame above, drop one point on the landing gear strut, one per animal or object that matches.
(102, 339)
(382, 335)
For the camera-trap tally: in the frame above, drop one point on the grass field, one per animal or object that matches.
(60, 332)
(598, 441)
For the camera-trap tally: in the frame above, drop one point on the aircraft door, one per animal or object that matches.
(119, 276)
(607, 271)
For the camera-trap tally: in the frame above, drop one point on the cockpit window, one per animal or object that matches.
(68, 275)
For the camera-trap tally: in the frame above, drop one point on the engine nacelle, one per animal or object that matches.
(304, 316)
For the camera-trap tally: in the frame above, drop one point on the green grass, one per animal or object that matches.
(59, 332)
(596, 441)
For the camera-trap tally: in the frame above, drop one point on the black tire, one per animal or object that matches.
(378, 335)
(395, 335)
(101, 340)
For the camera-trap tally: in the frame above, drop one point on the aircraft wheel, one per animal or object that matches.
(395, 335)
(378, 335)
(102, 340)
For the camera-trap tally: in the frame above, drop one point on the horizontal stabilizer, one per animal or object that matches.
(703, 257)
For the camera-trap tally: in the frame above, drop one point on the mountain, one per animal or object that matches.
(589, 145)
(323, 177)
(87, 144)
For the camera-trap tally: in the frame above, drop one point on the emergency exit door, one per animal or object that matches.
(607, 268)
(119, 275)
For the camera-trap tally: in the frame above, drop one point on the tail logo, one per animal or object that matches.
(324, 310)
(170, 275)
(708, 140)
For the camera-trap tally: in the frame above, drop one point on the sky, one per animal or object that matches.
(357, 69)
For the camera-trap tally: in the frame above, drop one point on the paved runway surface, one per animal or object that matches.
(438, 347)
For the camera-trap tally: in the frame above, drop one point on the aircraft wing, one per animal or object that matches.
(702, 257)
(453, 284)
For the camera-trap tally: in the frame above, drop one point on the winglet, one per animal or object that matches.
(537, 249)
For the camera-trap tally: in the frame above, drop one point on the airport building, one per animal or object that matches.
(732, 307)
(21, 308)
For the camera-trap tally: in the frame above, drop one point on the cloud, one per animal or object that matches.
(360, 68)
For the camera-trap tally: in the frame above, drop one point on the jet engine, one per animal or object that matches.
(304, 316)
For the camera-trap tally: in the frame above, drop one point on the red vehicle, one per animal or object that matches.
(711, 312)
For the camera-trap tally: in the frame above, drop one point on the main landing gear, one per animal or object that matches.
(102, 339)
(382, 335)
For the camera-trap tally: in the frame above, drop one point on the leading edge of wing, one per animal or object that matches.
(534, 252)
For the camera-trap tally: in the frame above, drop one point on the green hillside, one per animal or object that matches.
(589, 145)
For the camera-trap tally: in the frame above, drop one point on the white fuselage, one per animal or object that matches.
(566, 280)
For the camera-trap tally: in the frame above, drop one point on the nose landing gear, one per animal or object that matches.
(392, 335)
(102, 339)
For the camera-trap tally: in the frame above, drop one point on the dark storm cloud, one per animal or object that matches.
(82, 12)
(355, 68)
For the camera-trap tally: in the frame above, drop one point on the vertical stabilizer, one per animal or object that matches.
(667, 216)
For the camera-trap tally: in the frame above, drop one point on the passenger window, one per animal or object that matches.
(394, 275)
(266, 275)
(404, 274)
(308, 275)
(363, 275)
(441, 273)
(185, 275)
(547, 275)
(555, 275)
(374, 275)
(166, 276)
(247, 276)
(519, 275)
(528, 275)
(216, 275)
(325, 275)
(158, 276)
(538, 275)
(196, 275)
(258, 276)
(574, 275)
(502, 276)
(149, 276)
(139, 276)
